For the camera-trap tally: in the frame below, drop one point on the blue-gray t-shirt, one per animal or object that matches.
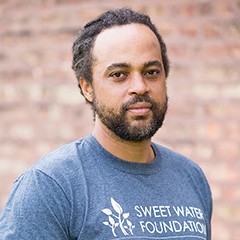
(81, 191)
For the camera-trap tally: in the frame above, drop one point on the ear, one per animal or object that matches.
(87, 89)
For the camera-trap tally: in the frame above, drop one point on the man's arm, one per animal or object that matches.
(38, 208)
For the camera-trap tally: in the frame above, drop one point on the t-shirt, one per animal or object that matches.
(81, 191)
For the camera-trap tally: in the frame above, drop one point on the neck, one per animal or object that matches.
(141, 152)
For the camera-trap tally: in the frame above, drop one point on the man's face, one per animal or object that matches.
(129, 87)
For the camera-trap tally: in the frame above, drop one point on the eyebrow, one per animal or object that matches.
(118, 65)
(126, 65)
(153, 63)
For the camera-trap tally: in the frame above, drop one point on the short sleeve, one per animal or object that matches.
(37, 208)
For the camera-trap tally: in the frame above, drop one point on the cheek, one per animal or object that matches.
(159, 92)
(110, 96)
(108, 100)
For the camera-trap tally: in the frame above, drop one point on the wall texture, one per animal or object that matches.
(41, 108)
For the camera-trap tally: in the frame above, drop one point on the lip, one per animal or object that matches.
(140, 108)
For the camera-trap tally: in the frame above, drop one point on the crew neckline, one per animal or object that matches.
(123, 165)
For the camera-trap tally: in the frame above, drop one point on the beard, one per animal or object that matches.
(119, 124)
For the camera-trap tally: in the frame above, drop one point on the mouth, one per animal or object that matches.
(140, 108)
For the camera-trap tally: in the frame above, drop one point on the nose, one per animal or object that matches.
(138, 85)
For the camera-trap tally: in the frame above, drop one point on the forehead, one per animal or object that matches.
(123, 43)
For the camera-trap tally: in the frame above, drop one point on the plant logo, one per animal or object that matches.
(118, 219)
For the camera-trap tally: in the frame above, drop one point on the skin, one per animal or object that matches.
(127, 62)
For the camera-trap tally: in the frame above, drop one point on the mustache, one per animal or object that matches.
(136, 99)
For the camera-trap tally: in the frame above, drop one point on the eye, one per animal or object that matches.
(152, 73)
(118, 75)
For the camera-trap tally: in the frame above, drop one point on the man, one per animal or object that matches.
(115, 183)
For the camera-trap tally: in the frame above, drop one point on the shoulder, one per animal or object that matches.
(61, 167)
(180, 164)
(173, 157)
(51, 192)
(168, 153)
(64, 159)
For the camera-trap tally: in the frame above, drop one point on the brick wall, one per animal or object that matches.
(41, 108)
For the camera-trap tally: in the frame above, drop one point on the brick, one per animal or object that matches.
(232, 131)
(205, 8)
(226, 212)
(220, 172)
(231, 91)
(217, 192)
(212, 30)
(228, 150)
(213, 51)
(22, 131)
(236, 232)
(224, 8)
(64, 94)
(166, 28)
(218, 73)
(205, 90)
(220, 231)
(211, 130)
(204, 151)
(189, 30)
(232, 29)
(232, 195)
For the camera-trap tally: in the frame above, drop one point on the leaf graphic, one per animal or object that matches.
(125, 215)
(106, 223)
(111, 220)
(129, 223)
(116, 206)
(107, 211)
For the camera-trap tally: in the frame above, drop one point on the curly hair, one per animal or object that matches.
(83, 45)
